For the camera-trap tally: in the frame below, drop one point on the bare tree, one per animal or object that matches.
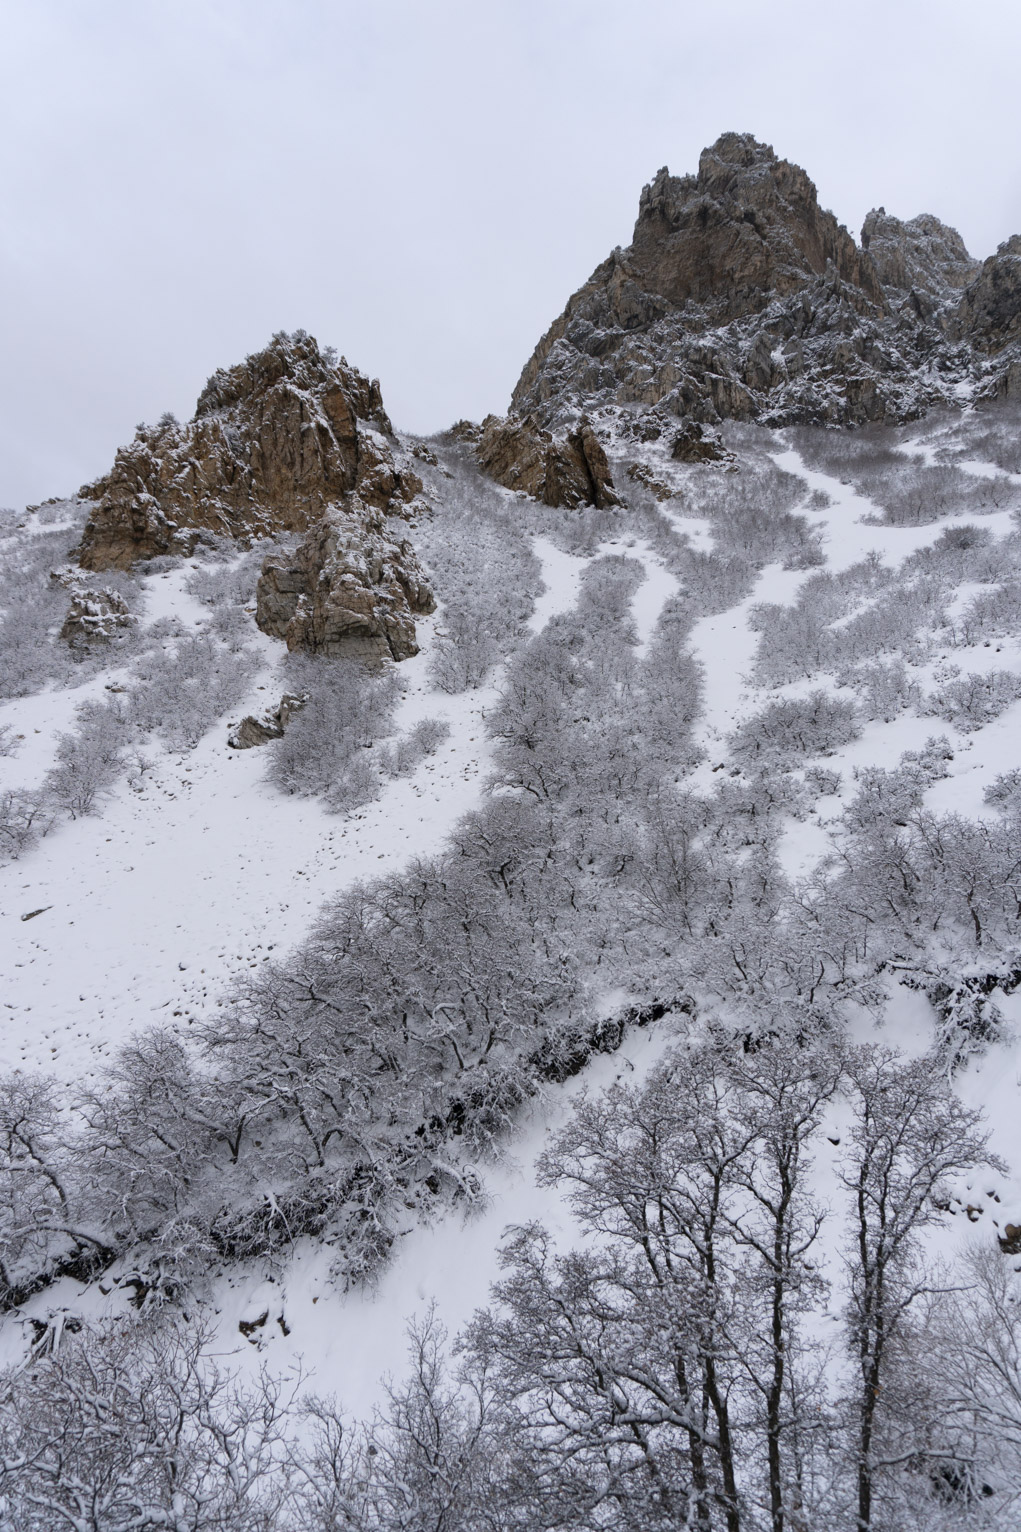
(911, 1133)
(136, 1431)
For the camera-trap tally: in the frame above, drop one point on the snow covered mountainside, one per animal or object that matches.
(580, 854)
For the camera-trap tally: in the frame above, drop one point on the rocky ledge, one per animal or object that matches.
(566, 470)
(352, 588)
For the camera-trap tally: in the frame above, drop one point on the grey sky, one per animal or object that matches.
(420, 184)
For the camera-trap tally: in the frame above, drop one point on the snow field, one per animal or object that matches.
(152, 907)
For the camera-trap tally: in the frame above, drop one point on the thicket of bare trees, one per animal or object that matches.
(698, 1359)
(677, 1365)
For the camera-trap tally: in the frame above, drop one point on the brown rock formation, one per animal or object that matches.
(560, 471)
(94, 616)
(990, 310)
(740, 297)
(747, 228)
(350, 589)
(273, 442)
(696, 443)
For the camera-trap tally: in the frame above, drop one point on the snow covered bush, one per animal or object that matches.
(32, 608)
(24, 816)
(815, 725)
(1005, 792)
(971, 701)
(885, 688)
(466, 651)
(136, 1428)
(328, 749)
(227, 586)
(476, 547)
(187, 684)
(89, 761)
(409, 749)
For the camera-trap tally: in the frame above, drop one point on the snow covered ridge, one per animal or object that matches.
(739, 297)
(728, 797)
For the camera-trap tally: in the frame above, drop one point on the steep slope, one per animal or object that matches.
(703, 780)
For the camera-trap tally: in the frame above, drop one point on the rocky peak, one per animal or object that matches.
(747, 227)
(922, 256)
(740, 297)
(295, 363)
(272, 443)
(290, 440)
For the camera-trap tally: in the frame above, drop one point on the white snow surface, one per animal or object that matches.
(562, 574)
(151, 907)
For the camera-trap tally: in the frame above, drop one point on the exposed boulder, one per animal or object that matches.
(273, 441)
(1010, 1239)
(252, 730)
(567, 470)
(351, 588)
(641, 473)
(696, 443)
(94, 616)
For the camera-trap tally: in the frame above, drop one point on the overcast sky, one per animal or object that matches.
(421, 183)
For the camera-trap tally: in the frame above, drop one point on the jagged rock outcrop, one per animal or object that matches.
(990, 310)
(739, 297)
(94, 616)
(272, 443)
(252, 730)
(695, 443)
(923, 259)
(746, 229)
(567, 470)
(352, 588)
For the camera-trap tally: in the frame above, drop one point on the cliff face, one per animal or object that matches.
(739, 297)
(567, 471)
(746, 229)
(351, 589)
(922, 259)
(273, 441)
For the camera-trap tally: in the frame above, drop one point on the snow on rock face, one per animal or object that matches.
(94, 616)
(273, 442)
(352, 589)
(565, 471)
(739, 297)
(922, 257)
